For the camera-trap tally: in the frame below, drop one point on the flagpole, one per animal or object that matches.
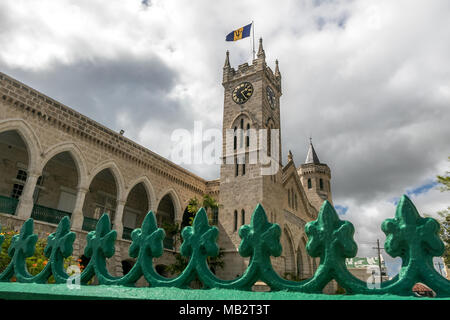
(253, 29)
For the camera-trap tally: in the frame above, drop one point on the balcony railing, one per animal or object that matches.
(127, 233)
(49, 215)
(8, 205)
(89, 224)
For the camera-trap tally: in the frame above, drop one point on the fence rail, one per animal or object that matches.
(8, 205)
(408, 235)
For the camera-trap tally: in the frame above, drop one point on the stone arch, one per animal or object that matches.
(270, 123)
(148, 188)
(77, 156)
(305, 256)
(28, 136)
(116, 174)
(252, 121)
(176, 202)
(289, 253)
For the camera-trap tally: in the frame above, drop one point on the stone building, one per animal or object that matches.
(56, 162)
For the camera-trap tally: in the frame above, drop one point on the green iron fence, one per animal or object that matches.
(49, 215)
(8, 205)
(408, 235)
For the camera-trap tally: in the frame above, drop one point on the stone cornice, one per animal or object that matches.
(71, 121)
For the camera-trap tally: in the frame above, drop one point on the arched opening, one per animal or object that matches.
(136, 207)
(165, 215)
(101, 198)
(300, 264)
(289, 262)
(162, 270)
(307, 272)
(187, 218)
(127, 265)
(14, 162)
(56, 191)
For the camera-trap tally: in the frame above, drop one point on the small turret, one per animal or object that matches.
(315, 177)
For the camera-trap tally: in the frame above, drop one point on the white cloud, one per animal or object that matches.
(370, 80)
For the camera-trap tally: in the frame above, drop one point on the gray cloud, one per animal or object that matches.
(370, 81)
(106, 89)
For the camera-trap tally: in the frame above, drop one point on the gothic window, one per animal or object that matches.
(309, 183)
(242, 217)
(235, 138)
(235, 220)
(17, 191)
(269, 145)
(236, 170)
(21, 175)
(242, 133)
(295, 200)
(248, 135)
(321, 184)
(289, 197)
(215, 216)
(21, 179)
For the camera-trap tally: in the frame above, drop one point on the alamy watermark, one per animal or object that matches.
(249, 146)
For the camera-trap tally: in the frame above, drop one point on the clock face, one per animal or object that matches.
(270, 97)
(242, 92)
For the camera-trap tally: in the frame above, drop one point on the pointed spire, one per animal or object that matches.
(261, 54)
(227, 60)
(311, 157)
(290, 156)
(277, 70)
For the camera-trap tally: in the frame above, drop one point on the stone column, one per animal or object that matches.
(118, 224)
(77, 214)
(25, 205)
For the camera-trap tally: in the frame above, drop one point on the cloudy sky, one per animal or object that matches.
(369, 80)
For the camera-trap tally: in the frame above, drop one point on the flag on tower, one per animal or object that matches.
(240, 33)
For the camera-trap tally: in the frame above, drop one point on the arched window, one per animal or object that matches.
(242, 217)
(289, 197)
(269, 145)
(243, 169)
(321, 184)
(295, 200)
(215, 216)
(241, 140)
(309, 183)
(248, 135)
(236, 172)
(235, 220)
(235, 138)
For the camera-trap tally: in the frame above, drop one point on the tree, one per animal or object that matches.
(445, 217)
(210, 204)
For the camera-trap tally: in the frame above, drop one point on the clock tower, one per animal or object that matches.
(251, 168)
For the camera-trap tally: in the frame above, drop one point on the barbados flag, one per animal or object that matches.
(239, 34)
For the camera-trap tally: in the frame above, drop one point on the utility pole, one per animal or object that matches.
(379, 258)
